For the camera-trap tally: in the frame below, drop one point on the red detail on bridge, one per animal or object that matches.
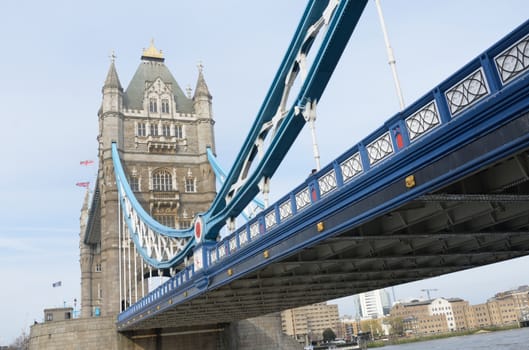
(83, 184)
(400, 141)
(198, 230)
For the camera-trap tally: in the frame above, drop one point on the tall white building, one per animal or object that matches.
(373, 304)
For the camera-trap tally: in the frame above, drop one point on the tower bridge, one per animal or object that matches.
(442, 186)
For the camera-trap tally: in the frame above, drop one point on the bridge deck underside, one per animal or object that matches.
(481, 219)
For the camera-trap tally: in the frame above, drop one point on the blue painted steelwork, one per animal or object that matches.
(159, 245)
(430, 132)
(220, 174)
(242, 183)
(275, 119)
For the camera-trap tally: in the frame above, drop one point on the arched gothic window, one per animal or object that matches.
(153, 105)
(162, 181)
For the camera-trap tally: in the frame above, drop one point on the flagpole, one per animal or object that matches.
(391, 58)
(56, 285)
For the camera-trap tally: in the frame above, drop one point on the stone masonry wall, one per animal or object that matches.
(79, 334)
(260, 333)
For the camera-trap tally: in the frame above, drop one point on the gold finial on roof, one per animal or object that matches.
(152, 51)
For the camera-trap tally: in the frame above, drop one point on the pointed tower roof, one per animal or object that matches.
(112, 80)
(152, 67)
(201, 90)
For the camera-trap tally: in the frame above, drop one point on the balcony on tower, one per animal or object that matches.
(164, 199)
(165, 144)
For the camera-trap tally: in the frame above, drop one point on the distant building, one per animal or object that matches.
(454, 314)
(453, 310)
(308, 322)
(373, 304)
(419, 317)
(504, 308)
(349, 327)
(58, 314)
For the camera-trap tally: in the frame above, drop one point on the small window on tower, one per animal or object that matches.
(153, 105)
(166, 130)
(98, 267)
(142, 130)
(167, 220)
(183, 224)
(154, 130)
(190, 184)
(165, 105)
(134, 183)
(178, 132)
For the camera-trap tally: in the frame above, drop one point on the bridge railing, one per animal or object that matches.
(180, 279)
(481, 78)
(501, 67)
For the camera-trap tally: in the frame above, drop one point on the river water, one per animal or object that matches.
(516, 339)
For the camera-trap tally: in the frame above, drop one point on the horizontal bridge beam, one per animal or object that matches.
(432, 236)
(473, 198)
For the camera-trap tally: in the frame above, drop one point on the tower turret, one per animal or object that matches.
(85, 260)
(110, 114)
(202, 104)
(112, 90)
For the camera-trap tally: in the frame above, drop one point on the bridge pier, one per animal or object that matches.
(260, 333)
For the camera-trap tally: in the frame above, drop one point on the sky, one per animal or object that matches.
(55, 56)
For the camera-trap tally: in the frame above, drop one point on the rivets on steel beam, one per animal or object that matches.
(230, 272)
(320, 226)
(410, 181)
(266, 254)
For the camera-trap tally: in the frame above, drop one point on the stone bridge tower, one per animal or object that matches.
(162, 135)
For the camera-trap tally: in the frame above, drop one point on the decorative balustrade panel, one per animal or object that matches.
(467, 92)
(351, 167)
(327, 182)
(379, 149)
(285, 210)
(513, 61)
(423, 121)
(270, 220)
(302, 199)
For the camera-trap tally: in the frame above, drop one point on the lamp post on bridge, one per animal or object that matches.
(309, 113)
(391, 58)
